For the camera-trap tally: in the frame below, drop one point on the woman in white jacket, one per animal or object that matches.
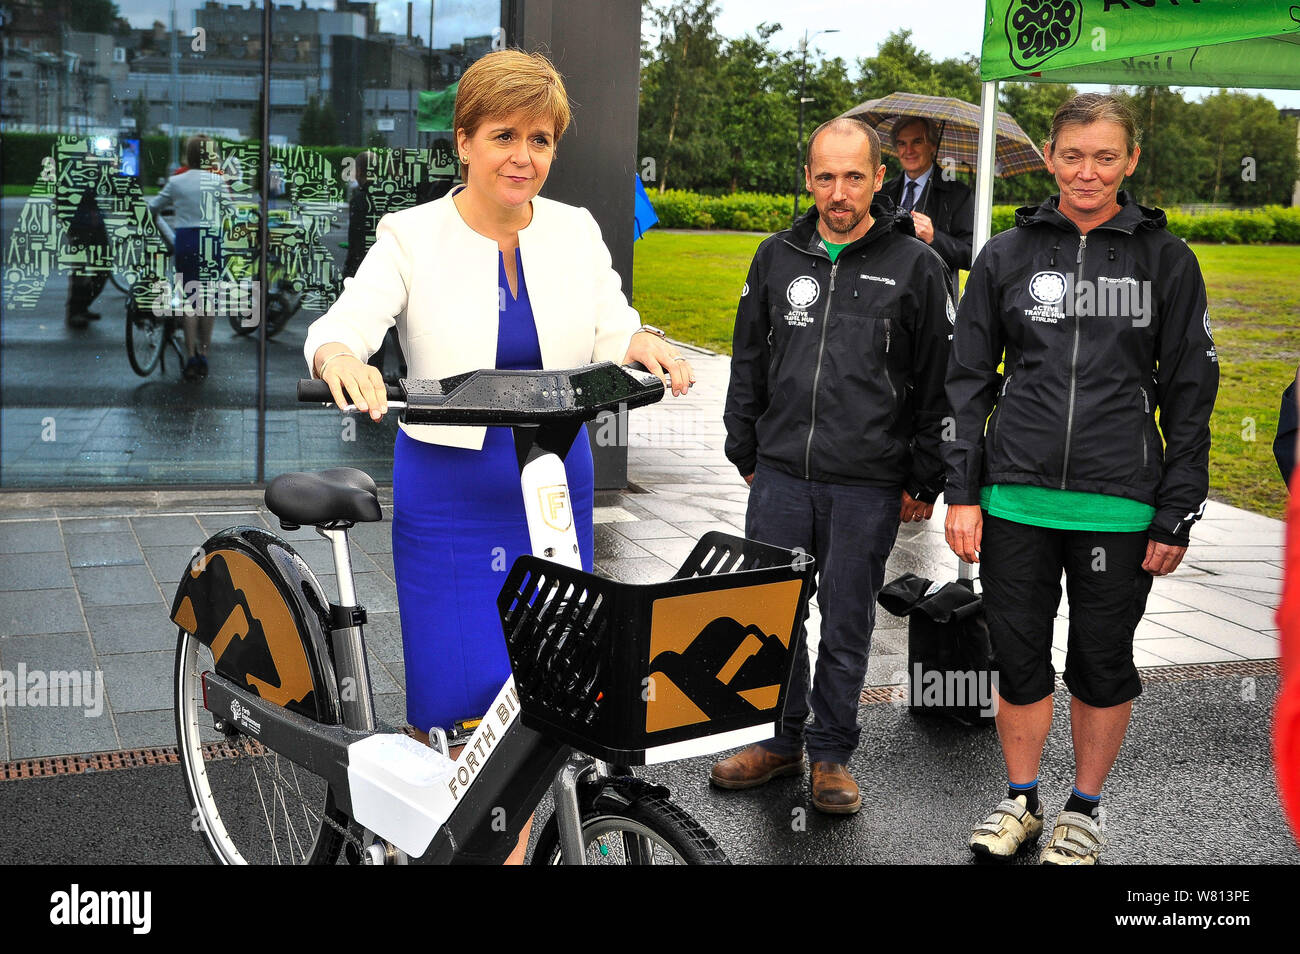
(491, 275)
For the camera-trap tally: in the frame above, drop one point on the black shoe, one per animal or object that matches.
(191, 371)
(78, 320)
(91, 315)
(203, 365)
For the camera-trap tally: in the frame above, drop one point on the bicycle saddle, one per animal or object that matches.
(339, 495)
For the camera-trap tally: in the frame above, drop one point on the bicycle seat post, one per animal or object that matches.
(346, 637)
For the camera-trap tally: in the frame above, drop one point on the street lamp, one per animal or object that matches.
(798, 143)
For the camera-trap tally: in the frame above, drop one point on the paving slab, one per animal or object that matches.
(30, 536)
(34, 571)
(24, 612)
(115, 548)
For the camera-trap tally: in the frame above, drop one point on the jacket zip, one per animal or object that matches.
(993, 438)
(821, 351)
(1146, 406)
(1074, 363)
(889, 379)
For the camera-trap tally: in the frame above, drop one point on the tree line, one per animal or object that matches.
(720, 115)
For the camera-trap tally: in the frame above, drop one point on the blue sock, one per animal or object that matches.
(1029, 790)
(1083, 804)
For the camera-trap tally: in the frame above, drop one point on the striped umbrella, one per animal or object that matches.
(958, 125)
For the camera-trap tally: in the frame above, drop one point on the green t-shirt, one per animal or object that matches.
(834, 250)
(1065, 509)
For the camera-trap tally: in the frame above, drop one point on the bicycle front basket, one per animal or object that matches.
(637, 674)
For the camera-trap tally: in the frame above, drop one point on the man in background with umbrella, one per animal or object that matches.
(942, 208)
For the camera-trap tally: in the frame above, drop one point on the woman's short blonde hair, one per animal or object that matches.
(506, 82)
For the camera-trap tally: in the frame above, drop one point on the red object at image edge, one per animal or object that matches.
(1286, 718)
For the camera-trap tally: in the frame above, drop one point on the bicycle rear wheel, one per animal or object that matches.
(251, 805)
(650, 830)
(146, 336)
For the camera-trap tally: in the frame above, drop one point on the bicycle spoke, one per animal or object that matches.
(275, 851)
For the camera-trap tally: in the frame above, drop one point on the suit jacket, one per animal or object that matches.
(435, 278)
(951, 208)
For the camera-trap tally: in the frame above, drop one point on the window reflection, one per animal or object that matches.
(124, 260)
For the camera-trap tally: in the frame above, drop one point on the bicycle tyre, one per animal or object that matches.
(315, 842)
(675, 835)
(146, 337)
(237, 325)
(122, 284)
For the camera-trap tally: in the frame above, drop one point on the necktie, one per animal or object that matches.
(909, 198)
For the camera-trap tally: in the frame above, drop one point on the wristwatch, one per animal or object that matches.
(652, 329)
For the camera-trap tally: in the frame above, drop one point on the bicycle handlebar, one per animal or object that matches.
(514, 398)
(315, 391)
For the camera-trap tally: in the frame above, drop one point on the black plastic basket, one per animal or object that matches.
(643, 673)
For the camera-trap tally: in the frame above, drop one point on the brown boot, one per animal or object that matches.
(834, 790)
(754, 766)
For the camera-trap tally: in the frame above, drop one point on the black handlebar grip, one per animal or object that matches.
(637, 366)
(314, 391)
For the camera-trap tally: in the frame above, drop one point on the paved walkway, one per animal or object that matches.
(86, 579)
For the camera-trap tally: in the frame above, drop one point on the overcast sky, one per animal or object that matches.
(943, 28)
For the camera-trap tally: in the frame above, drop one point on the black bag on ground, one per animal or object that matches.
(947, 647)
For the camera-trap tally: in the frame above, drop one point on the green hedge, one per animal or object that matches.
(22, 156)
(755, 212)
(742, 211)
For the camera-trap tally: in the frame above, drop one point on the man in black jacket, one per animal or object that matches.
(942, 208)
(834, 415)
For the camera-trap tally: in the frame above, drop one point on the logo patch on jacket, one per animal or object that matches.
(802, 293)
(1048, 289)
(1213, 353)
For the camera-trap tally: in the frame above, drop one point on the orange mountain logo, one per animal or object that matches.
(706, 664)
(234, 607)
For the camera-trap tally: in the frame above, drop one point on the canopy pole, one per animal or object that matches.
(984, 176)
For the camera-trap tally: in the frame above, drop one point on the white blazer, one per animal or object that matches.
(436, 279)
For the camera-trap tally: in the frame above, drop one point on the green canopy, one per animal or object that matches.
(1236, 43)
(435, 109)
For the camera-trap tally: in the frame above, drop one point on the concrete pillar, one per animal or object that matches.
(596, 46)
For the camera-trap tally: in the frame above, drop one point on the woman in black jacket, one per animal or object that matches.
(1098, 316)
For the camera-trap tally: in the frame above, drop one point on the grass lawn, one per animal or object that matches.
(688, 284)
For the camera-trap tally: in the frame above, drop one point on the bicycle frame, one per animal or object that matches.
(430, 808)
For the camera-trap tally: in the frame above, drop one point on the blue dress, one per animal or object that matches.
(458, 525)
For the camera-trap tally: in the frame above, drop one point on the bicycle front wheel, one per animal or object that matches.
(146, 336)
(651, 830)
(252, 805)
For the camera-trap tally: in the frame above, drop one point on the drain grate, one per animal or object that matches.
(128, 758)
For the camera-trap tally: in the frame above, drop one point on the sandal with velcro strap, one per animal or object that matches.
(1006, 831)
(1077, 839)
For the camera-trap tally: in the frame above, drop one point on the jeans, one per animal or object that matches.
(849, 530)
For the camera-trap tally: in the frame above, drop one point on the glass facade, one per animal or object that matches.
(160, 266)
